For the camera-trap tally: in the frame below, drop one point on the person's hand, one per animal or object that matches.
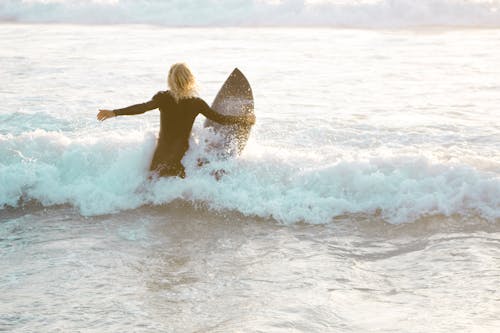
(105, 114)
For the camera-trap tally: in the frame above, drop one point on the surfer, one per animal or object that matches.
(178, 107)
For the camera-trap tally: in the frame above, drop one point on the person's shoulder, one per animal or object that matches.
(198, 100)
(192, 101)
(162, 96)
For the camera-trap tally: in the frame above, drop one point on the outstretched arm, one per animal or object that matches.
(131, 110)
(224, 119)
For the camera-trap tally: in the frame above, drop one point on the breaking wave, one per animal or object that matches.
(361, 13)
(107, 175)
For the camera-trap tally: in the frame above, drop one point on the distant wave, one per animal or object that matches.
(361, 13)
(107, 175)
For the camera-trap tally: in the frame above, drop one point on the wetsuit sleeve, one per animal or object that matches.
(138, 108)
(211, 114)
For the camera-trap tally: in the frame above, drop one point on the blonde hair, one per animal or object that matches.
(181, 81)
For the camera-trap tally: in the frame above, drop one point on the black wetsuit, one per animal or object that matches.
(176, 121)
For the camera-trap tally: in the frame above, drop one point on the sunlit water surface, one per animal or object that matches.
(367, 198)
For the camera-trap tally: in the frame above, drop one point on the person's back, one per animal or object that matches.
(177, 117)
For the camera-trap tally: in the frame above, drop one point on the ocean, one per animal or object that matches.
(366, 200)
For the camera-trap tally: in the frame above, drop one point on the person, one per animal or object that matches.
(178, 107)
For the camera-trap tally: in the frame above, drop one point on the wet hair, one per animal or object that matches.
(181, 81)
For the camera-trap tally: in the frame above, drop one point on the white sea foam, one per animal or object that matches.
(363, 13)
(108, 175)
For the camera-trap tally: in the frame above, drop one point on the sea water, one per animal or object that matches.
(367, 199)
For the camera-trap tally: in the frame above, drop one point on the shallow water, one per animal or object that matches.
(171, 269)
(367, 198)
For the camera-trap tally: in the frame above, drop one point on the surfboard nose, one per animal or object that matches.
(237, 85)
(236, 71)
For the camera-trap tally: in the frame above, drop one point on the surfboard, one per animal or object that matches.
(234, 98)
